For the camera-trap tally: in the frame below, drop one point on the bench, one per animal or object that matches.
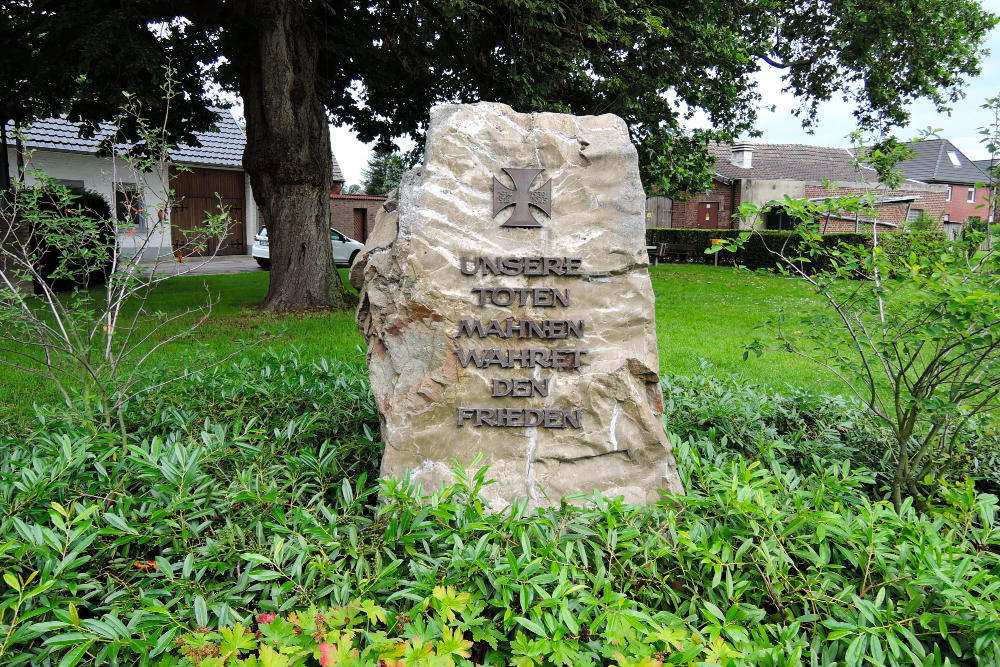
(676, 252)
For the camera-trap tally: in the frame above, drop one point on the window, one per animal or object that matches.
(954, 159)
(972, 196)
(914, 214)
(778, 219)
(129, 209)
(949, 194)
(70, 183)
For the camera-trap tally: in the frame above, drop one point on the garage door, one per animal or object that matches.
(195, 198)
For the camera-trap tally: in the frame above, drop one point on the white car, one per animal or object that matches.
(345, 249)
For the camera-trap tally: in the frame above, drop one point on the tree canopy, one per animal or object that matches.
(380, 65)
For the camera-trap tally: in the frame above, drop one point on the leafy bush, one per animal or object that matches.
(325, 400)
(754, 254)
(776, 555)
(100, 528)
(757, 565)
(750, 418)
(897, 247)
(68, 258)
(433, 632)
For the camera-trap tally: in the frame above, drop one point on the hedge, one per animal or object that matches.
(755, 254)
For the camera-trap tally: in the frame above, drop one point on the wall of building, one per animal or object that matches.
(684, 214)
(930, 199)
(759, 191)
(960, 209)
(101, 174)
(342, 213)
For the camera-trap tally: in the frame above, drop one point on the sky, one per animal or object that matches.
(835, 121)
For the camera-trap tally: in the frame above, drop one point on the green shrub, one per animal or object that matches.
(433, 632)
(899, 245)
(763, 564)
(59, 257)
(326, 400)
(99, 528)
(750, 418)
(776, 555)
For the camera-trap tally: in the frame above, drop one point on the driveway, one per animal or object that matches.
(199, 266)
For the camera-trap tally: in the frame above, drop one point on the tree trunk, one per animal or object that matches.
(4, 163)
(288, 154)
(19, 151)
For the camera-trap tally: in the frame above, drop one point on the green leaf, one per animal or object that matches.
(119, 523)
(256, 558)
(67, 639)
(856, 650)
(200, 611)
(714, 611)
(531, 625)
(236, 639)
(75, 654)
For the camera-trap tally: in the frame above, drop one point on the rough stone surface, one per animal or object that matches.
(413, 296)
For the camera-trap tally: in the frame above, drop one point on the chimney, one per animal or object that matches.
(742, 155)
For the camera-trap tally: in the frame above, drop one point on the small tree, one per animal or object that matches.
(914, 334)
(991, 141)
(89, 344)
(383, 172)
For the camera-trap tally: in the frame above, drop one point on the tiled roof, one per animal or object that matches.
(223, 148)
(220, 147)
(796, 162)
(338, 175)
(984, 165)
(374, 197)
(939, 161)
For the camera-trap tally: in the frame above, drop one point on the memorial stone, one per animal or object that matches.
(508, 310)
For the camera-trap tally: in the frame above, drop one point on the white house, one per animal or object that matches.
(55, 148)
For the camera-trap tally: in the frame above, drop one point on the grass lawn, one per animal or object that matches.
(702, 313)
(709, 314)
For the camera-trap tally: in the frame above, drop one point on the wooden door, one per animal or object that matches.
(658, 212)
(708, 215)
(361, 224)
(199, 193)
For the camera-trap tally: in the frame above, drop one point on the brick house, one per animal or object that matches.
(354, 215)
(939, 161)
(763, 173)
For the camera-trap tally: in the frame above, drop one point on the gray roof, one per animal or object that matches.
(939, 161)
(223, 147)
(338, 175)
(796, 162)
(220, 147)
(984, 165)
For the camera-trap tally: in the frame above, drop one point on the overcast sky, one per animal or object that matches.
(835, 119)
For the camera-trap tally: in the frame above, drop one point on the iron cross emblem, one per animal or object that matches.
(521, 197)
